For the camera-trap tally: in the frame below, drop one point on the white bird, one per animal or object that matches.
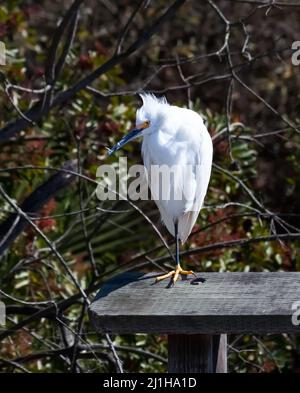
(175, 138)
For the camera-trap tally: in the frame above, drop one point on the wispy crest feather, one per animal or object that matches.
(153, 107)
(151, 99)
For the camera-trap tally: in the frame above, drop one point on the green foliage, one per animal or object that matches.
(116, 234)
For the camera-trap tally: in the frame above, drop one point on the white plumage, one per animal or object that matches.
(175, 139)
(178, 138)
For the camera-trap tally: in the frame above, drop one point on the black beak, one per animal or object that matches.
(131, 135)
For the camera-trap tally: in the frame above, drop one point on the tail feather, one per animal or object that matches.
(185, 224)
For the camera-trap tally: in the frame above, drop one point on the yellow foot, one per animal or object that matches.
(175, 274)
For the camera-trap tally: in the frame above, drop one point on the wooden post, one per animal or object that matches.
(197, 353)
(197, 318)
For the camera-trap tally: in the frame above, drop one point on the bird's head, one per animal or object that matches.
(148, 119)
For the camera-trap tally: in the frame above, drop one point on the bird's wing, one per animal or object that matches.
(191, 157)
(155, 186)
(196, 185)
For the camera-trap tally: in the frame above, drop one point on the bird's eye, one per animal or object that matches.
(147, 123)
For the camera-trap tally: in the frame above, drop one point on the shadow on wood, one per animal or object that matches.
(224, 303)
(197, 317)
(197, 353)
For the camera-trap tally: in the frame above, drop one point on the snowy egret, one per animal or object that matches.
(175, 138)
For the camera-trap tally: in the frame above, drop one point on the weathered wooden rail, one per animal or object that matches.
(197, 316)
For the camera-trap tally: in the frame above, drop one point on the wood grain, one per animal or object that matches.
(197, 353)
(223, 303)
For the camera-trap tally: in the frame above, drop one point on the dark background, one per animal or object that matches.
(229, 60)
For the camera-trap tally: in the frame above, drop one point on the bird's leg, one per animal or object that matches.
(178, 269)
